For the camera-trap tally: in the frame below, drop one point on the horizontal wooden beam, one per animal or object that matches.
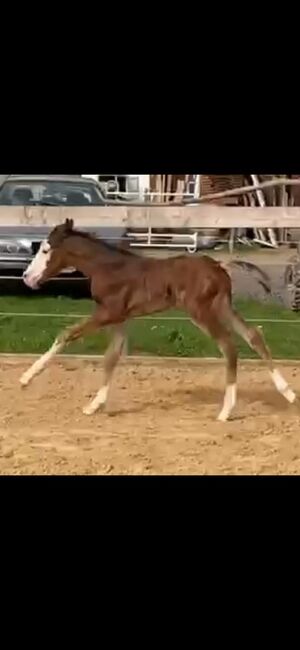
(198, 216)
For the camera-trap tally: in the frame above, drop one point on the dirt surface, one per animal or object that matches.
(160, 420)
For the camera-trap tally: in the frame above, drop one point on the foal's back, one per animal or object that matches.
(141, 285)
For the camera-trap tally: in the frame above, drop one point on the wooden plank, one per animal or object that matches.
(246, 189)
(169, 183)
(168, 216)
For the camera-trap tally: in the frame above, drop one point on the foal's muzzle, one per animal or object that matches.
(32, 282)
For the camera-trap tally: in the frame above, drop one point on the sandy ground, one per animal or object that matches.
(160, 420)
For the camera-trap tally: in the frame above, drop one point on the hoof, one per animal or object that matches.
(24, 381)
(222, 417)
(98, 402)
(87, 411)
(289, 395)
(282, 386)
(90, 409)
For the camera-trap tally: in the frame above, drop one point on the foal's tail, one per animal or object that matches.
(263, 280)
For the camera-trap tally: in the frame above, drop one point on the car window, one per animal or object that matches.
(48, 192)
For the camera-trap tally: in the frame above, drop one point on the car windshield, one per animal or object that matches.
(48, 193)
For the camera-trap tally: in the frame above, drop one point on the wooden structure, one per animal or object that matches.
(255, 213)
(164, 187)
(210, 184)
(194, 216)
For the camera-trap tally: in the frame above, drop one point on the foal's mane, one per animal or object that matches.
(102, 243)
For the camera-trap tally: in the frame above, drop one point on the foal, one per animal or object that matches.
(125, 285)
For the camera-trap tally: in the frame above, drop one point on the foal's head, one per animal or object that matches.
(51, 258)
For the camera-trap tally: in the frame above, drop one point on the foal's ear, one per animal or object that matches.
(69, 223)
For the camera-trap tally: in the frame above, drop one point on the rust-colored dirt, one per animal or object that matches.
(160, 420)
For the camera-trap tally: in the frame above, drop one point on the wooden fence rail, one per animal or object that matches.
(198, 216)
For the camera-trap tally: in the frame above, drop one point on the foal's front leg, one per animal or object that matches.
(70, 334)
(111, 358)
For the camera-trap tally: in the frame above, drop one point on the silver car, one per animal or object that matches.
(18, 244)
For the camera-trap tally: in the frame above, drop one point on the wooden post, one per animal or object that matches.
(283, 202)
(169, 185)
(186, 183)
(198, 186)
(157, 189)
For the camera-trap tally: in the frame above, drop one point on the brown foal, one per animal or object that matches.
(125, 285)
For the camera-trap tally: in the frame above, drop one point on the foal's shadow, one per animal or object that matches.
(205, 395)
(134, 408)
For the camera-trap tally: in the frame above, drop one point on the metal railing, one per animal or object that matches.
(149, 239)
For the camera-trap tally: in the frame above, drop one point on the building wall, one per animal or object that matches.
(219, 183)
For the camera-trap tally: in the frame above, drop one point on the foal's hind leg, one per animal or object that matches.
(226, 345)
(70, 334)
(255, 340)
(228, 349)
(111, 359)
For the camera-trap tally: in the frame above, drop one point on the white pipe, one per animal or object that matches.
(262, 203)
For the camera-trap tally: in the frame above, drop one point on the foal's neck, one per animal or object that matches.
(85, 254)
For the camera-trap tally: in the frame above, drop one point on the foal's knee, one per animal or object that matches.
(68, 335)
(228, 349)
(254, 337)
(257, 342)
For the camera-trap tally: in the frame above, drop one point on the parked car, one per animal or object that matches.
(18, 244)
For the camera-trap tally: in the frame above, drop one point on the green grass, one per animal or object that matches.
(33, 334)
(45, 304)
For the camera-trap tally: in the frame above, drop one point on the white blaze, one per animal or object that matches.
(38, 265)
